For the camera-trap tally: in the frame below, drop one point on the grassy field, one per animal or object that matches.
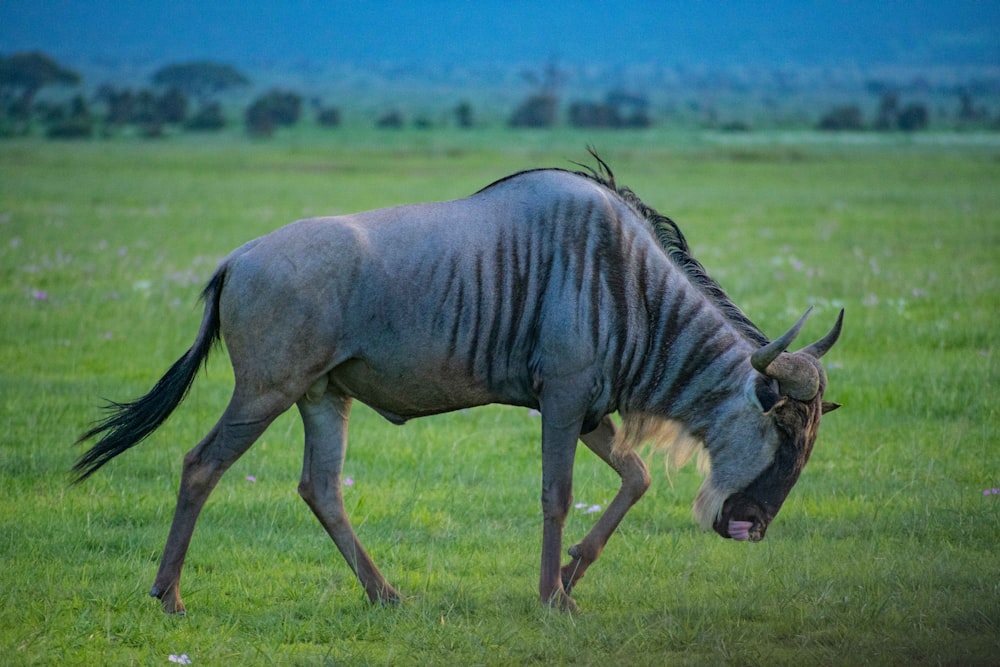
(886, 552)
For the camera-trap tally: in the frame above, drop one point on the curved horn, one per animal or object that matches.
(823, 345)
(763, 357)
(797, 377)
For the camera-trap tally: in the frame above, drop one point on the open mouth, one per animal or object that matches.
(742, 519)
(744, 531)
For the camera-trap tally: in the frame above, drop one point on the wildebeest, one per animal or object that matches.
(548, 289)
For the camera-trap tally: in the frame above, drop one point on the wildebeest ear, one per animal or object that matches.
(829, 406)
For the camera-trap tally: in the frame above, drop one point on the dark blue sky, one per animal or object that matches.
(807, 32)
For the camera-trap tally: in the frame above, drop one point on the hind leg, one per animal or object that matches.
(238, 428)
(324, 415)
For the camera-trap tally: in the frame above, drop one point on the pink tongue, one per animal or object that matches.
(740, 530)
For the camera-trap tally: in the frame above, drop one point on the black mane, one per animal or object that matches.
(676, 246)
(671, 239)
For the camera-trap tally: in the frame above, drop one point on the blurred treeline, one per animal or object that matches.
(41, 96)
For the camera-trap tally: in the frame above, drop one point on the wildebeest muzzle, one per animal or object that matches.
(743, 518)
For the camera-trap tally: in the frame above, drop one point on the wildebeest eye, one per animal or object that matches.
(791, 417)
(767, 392)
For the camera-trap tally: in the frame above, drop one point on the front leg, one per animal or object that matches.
(558, 452)
(635, 481)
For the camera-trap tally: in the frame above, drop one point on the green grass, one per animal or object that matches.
(886, 552)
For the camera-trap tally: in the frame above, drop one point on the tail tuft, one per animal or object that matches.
(130, 423)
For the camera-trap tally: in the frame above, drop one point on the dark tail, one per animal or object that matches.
(130, 423)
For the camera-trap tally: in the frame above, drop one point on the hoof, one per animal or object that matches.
(385, 596)
(571, 573)
(170, 604)
(563, 602)
(175, 609)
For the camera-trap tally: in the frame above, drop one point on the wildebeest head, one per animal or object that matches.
(786, 397)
